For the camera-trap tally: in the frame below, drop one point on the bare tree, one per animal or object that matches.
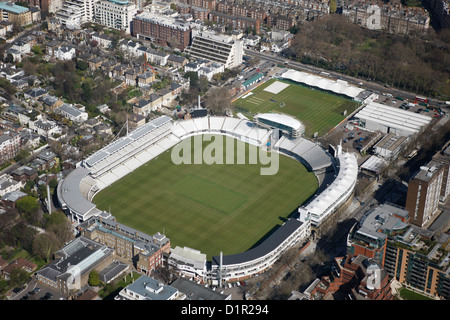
(218, 100)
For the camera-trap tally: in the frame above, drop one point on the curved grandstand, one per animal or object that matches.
(126, 154)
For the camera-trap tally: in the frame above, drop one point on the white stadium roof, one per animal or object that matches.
(336, 86)
(328, 200)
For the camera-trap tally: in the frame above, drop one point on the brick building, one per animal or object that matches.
(423, 193)
(162, 30)
(145, 251)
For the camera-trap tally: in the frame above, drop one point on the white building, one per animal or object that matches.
(76, 12)
(378, 117)
(205, 68)
(324, 204)
(65, 52)
(115, 14)
(45, 128)
(72, 113)
(221, 48)
(8, 184)
(146, 288)
(390, 146)
(188, 262)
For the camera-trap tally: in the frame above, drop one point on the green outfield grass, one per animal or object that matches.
(212, 208)
(319, 111)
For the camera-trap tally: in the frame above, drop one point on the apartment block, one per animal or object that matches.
(76, 12)
(162, 29)
(51, 6)
(224, 49)
(443, 157)
(424, 193)
(115, 14)
(10, 145)
(370, 237)
(15, 13)
(382, 16)
(417, 261)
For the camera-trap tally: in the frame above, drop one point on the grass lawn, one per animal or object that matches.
(317, 110)
(212, 208)
(411, 295)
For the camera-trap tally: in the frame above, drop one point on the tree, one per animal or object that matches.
(18, 277)
(94, 278)
(218, 99)
(333, 6)
(27, 205)
(82, 65)
(44, 245)
(37, 49)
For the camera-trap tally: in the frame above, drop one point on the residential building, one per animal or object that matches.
(8, 184)
(65, 52)
(10, 199)
(24, 173)
(104, 41)
(14, 13)
(115, 14)
(45, 128)
(177, 61)
(378, 15)
(51, 102)
(21, 263)
(236, 22)
(443, 156)
(405, 251)
(72, 113)
(135, 121)
(158, 57)
(417, 261)
(370, 236)
(35, 94)
(76, 12)
(162, 29)
(372, 281)
(220, 48)
(10, 145)
(423, 195)
(145, 79)
(205, 68)
(51, 6)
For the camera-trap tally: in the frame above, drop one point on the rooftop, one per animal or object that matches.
(14, 8)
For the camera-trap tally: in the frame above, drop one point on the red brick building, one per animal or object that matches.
(162, 30)
(356, 278)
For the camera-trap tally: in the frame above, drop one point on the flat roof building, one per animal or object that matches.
(390, 146)
(221, 48)
(378, 117)
(423, 195)
(162, 29)
(146, 288)
(287, 124)
(115, 14)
